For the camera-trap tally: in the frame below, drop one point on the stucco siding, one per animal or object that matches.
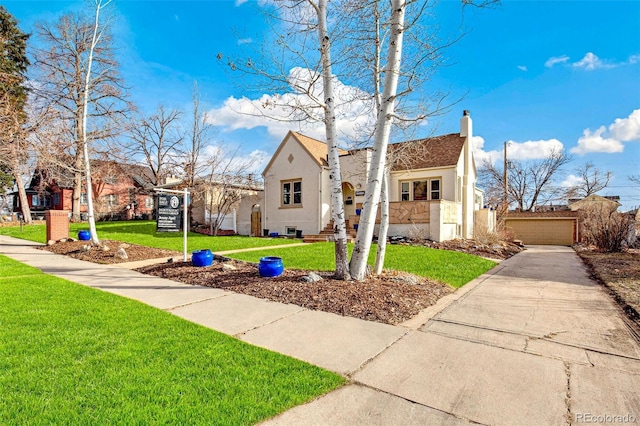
(292, 163)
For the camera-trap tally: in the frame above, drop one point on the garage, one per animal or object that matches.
(543, 228)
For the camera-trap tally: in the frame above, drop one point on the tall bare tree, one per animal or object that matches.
(158, 138)
(530, 183)
(590, 181)
(227, 179)
(199, 137)
(77, 75)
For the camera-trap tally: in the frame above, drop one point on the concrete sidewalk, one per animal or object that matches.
(534, 341)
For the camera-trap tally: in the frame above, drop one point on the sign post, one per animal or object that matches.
(168, 214)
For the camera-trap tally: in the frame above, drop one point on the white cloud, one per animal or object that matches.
(634, 59)
(626, 129)
(522, 67)
(227, 156)
(610, 140)
(590, 62)
(595, 142)
(480, 155)
(280, 113)
(247, 40)
(529, 150)
(571, 181)
(240, 2)
(533, 150)
(556, 60)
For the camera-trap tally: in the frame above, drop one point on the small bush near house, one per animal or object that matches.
(606, 229)
(485, 236)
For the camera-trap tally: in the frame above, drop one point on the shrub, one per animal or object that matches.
(606, 229)
(484, 236)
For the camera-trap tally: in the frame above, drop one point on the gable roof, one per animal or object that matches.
(316, 149)
(438, 151)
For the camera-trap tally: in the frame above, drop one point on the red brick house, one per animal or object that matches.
(120, 191)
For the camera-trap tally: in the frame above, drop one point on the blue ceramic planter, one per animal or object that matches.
(270, 266)
(202, 258)
(358, 211)
(84, 235)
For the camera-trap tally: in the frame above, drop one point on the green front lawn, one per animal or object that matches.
(76, 355)
(453, 268)
(144, 233)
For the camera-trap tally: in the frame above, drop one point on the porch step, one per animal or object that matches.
(317, 238)
(328, 230)
(325, 238)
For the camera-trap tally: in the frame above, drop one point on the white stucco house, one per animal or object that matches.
(432, 186)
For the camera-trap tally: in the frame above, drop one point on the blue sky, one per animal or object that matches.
(539, 74)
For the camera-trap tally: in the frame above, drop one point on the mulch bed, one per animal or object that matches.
(620, 274)
(84, 250)
(390, 298)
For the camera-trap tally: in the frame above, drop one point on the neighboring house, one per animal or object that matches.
(232, 202)
(120, 191)
(432, 189)
(610, 202)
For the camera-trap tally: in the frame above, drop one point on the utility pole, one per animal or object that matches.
(505, 203)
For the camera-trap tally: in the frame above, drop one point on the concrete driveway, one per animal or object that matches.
(536, 341)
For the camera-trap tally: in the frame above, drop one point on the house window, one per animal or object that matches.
(292, 193)
(290, 230)
(435, 189)
(83, 199)
(148, 202)
(39, 201)
(420, 190)
(56, 199)
(111, 200)
(406, 196)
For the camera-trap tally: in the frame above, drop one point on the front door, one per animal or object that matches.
(349, 199)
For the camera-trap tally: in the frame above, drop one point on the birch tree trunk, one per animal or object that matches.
(337, 205)
(384, 223)
(85, 105)
(361, 250)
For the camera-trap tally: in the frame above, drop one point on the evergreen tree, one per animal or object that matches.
(13, 94)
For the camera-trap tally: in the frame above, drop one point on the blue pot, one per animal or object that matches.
(358, 211)
(84, 235)
(270, 266)
(274, 235)
(355, 226)
(202, 258)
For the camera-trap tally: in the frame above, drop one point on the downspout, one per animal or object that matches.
(263, 218)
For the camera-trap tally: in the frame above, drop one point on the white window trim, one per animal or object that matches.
(429, 191)
(292, 193)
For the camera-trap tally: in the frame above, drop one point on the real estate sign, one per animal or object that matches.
(169, 213)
